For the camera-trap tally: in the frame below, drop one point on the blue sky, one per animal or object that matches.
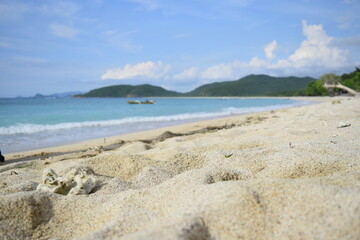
(49, 46)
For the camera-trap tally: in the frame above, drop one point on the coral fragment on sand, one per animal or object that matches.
(77, 181)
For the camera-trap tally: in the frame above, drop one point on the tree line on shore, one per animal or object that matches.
(317, 87)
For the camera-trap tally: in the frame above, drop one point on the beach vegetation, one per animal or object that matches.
(316, 88)
(352, 80)
(330, 78)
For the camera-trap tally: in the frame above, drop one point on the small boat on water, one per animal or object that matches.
(134, 102)
(146, 102)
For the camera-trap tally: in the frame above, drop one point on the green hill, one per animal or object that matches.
(254, 85)
(145, 90)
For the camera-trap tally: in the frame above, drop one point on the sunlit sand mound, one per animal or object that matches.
(287, 174)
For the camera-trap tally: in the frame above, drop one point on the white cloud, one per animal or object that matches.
(317, 49)
(220, 71)
(64, 31)
(235, 69)
(255, 62)
(315, 55)
(148, 70)
(190, 73)
(270, 49)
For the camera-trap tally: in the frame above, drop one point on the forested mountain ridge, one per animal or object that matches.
(145, 90)
(251, 85)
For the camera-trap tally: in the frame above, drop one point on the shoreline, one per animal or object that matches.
(18, 138)
(111, 140)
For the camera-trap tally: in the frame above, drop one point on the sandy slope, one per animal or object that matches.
(287, 174)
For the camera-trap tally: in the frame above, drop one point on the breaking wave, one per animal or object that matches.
(36, 128)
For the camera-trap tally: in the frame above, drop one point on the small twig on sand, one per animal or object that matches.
(344, 125)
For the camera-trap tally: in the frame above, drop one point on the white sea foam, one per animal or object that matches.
(36, 128)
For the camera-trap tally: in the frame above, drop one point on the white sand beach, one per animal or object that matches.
(286, 174)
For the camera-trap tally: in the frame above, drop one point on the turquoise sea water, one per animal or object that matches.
(27, 124)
